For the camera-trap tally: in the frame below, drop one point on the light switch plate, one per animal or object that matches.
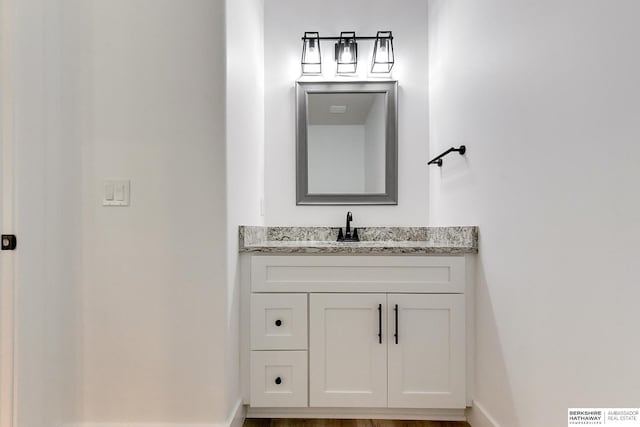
(116, 192)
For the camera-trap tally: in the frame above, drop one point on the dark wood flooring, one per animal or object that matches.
(348, 423)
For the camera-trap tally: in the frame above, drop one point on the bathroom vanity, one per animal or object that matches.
(377, 328)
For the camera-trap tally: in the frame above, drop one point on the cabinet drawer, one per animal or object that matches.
(279, 322)
(410, 274)
(279, 379)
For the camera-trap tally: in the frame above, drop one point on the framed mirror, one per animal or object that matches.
(347, 143)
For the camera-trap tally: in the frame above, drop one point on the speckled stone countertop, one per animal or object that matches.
(373, 240)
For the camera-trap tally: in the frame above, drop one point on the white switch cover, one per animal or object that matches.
(108, 191)
(116, 193)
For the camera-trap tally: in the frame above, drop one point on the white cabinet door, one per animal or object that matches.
(427, 364)
(348, 350)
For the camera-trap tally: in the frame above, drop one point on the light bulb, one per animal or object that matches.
(382, 46)
(313, 54)
(346, 54)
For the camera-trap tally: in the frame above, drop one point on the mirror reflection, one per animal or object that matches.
(346, 140)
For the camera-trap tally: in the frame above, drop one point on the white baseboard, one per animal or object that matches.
(236, 419)
(133, 424)
(477, 416)
(238, 415)
(359, 413)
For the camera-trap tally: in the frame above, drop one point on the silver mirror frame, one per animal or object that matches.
(390, 196)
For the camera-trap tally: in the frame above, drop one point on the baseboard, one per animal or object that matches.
(238, 415)
(477, 416)
(236, 419)
(134, 424)
(359, 413)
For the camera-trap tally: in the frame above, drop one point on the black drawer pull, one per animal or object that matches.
(278, 380)
(396, 334)
(278, 322)
(380, 323)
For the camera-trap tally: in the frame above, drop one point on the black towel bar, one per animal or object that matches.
(438, 160)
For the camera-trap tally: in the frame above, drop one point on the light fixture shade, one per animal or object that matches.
(347, 53)
(383, 59)
(311, 54)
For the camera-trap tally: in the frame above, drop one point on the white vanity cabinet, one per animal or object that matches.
(389, 333)
(362, 355)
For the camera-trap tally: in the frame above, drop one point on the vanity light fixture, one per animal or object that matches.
(311, 54)
(383, 59)
(346, 52)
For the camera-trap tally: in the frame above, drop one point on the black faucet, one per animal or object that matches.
(348, 236)
(347, 230)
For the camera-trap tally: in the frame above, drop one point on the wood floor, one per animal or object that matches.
(348, 423)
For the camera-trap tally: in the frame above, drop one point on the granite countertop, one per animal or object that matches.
(373, 240)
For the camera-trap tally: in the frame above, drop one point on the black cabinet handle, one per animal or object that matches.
(380, 323)
(278, 380)
(396, 334)
(278, 322)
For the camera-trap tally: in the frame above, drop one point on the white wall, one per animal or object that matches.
(285, 22)
(151, 97)
(245, 155)
(336, 158)
(147, 92)
(545, 96)
(47, 213)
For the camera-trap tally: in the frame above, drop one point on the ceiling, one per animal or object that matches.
(357, 105)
